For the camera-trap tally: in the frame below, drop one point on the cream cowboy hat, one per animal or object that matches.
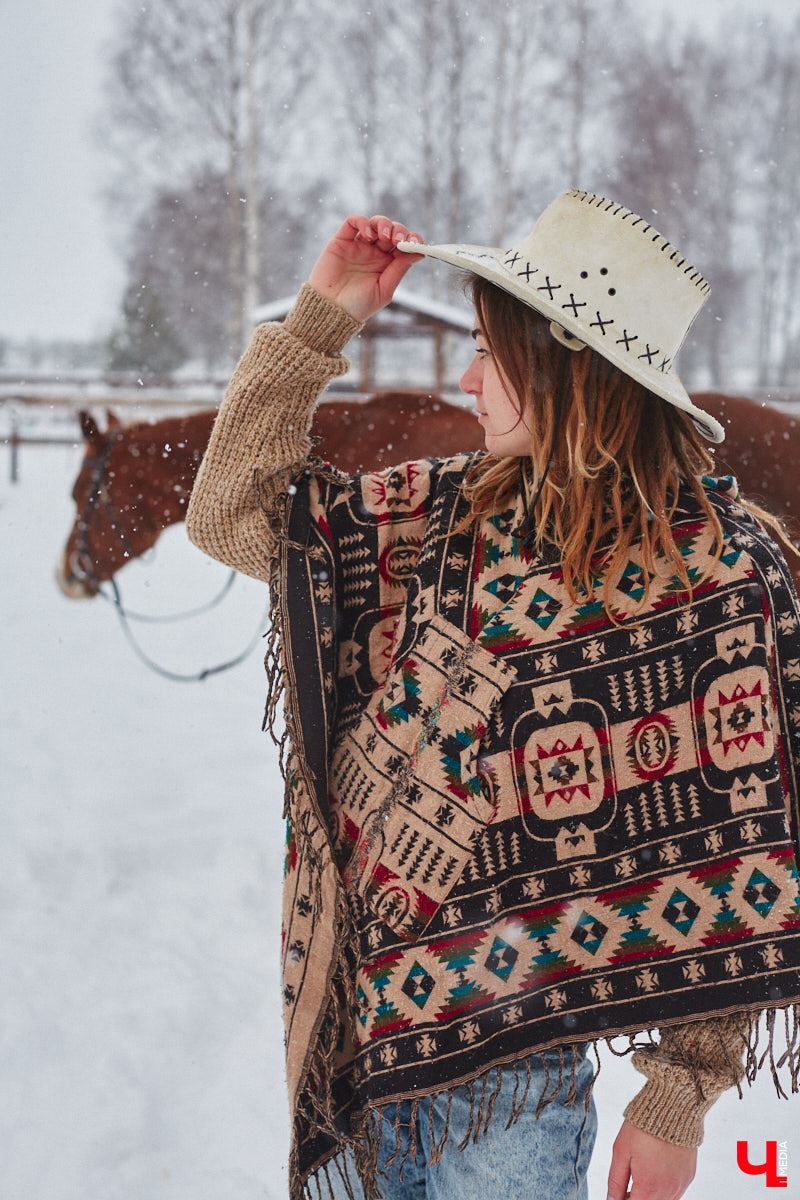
(605, 279)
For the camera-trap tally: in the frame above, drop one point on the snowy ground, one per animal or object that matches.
(140, 861)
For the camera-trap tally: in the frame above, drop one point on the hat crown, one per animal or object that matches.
(611, 271)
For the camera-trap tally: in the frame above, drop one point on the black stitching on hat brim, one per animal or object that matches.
(488, 263)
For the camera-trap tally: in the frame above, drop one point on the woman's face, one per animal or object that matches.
(506, 433)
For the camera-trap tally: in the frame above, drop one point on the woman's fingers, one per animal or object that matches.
(381, 231)
(361, 266)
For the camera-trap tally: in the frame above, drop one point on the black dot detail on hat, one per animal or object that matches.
(584, 274)
(612, 291)
(604, 270)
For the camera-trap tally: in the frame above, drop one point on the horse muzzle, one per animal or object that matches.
(74, 586)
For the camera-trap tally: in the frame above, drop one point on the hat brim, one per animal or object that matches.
(488, 262)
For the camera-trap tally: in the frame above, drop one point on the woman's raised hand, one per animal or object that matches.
(361, 266)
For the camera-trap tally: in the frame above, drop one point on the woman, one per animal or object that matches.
(542, 710)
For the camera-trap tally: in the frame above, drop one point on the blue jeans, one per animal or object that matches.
(544, 1159)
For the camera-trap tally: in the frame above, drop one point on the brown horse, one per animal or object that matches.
(136, 480)
(762, 449)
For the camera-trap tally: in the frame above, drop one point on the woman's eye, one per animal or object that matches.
(481, 351)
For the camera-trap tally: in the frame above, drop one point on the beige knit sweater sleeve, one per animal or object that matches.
(261, 432)
(686, 1073)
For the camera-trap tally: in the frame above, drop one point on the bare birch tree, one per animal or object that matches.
(778, 210)
(203, 83)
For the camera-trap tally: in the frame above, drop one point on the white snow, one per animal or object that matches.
(141, 1052)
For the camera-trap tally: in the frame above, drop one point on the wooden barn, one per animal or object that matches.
(415, 342)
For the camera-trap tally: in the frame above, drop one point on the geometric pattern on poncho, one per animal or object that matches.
(625, 858)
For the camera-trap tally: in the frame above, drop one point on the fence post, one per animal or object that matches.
(14, 441)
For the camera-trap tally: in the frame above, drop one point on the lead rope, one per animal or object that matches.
(149, 619)
(177, 677)
(98, 493)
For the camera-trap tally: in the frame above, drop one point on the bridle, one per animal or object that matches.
(82, 568)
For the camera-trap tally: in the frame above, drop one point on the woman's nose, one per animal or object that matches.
(470, 381)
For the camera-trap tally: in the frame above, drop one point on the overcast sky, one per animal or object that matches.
(59, 273)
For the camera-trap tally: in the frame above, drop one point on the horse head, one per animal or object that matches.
(109, 529)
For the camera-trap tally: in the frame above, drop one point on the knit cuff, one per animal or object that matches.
(320, 324)
(670, 1106)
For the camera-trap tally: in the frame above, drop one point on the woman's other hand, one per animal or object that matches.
(655, 1169)
(361, 266)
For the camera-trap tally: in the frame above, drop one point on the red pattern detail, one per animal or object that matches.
(631, 891)
(567, 792)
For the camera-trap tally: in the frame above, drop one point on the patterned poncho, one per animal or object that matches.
(514, 822)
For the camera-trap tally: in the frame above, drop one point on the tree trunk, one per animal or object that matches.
(252, 256)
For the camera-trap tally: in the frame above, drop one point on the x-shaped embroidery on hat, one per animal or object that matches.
(574, 304)
(549, 287)
(601, 324)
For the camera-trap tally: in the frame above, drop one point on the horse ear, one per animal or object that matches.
(113, 420)
(89, 428)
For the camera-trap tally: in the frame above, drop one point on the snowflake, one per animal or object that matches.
(469, 1031)
(733, 964)
(533, 887)
(555, 999)
(388, 1055)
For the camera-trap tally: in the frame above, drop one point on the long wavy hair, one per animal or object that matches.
(619, 455)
